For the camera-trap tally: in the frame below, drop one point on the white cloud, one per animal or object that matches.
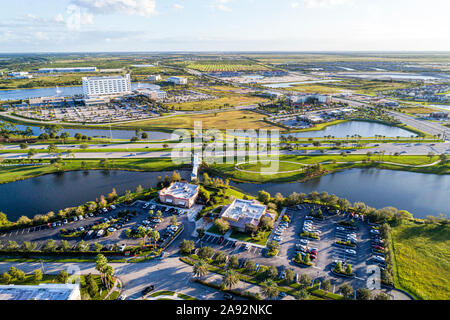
(145, 8)
(325, 3)
(295, 4)
(178, 6)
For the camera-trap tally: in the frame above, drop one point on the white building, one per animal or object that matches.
(154, 94)
(100, 86)
(20, 75)
(177, 80)
(40, 292)
(154, 77)
(305, 97)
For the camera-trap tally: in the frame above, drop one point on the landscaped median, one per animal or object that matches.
(258, 278)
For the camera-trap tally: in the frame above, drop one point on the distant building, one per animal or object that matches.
(68, 70)
(43, 101)
(243, 212)
(297, 99)
(40, 292)
(154, 94)
(20, 75)
(181, 194)
(391, 104)
(100, 86)
(97, 101)
(177, 80)
(142, 65)
(154, 77)
(439, 115)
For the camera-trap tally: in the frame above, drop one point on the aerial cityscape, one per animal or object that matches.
(224, 150)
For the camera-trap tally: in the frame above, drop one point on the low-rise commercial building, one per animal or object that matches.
(243, 212)
(40, 292)
(181, 194)
(297, 99)
(177, 80)
(154, 77)
(20, 75)
(154, 94)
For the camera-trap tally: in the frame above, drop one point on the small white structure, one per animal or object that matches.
(40, 292)
(177, 80)
(154, 77)
(154, 94)
(20, 75)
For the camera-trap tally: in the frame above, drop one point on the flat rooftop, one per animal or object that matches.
(180, 190)
(242, 209)
(39, 292)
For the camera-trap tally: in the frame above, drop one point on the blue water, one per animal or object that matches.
(18, 94)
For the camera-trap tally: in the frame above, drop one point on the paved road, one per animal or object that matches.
(425, 126)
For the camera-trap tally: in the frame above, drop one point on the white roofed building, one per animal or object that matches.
(181, 194)
(242, 212)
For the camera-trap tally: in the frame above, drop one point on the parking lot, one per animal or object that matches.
(41, 234)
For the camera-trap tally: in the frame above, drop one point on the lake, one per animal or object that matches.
(421, 194)
(362, 128)
(18, 94)
(53, 192)
(116, 134)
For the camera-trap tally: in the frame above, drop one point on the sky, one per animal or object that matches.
(223, 25)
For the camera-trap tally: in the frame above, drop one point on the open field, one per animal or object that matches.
(241, 119)
(230, 65)
(229, 100)
(422, 260)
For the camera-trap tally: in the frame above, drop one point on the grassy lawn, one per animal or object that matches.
(29, 280)
(229, 100)
(242, 119)
(114, 295)
(422, 260)
(214, 230)
(260, 239)
(330, 163)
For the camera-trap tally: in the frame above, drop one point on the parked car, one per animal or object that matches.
(350, 251)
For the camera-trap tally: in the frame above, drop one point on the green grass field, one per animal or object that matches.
(422, 260)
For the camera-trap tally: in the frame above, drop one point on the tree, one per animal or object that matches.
(326, 285)
(38, 275)
(301, 294)
(205, 252)
(305, 280)
(266, 223)
(6, 278)
(65, 246)
(272, 272)
(289, 276)
(100, 265)
(98, 246)
(139, 189)
(173, 220)
(82, 246)
(28, 246)
(269, 289)
(63, 276)
(12, 245)
(347, 291)
(381, 296)
(363, 294)
(222, 225)
(186, 246)
(348, 269)
(233, 262)
(200, 232)
(263, 196)
(200, 268)
(230, 278)
(50, 245)
(250, 266)
(220, 257)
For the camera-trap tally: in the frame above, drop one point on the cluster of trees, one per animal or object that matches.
(164, 183)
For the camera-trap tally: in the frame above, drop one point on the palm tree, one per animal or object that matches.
(269, 289)
(230, 278)
(201, 269)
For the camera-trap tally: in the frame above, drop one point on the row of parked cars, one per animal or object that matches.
(302, 244)
(279, 231)
(164, 209)
(377, 244)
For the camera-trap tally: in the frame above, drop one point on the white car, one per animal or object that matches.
(104, 210)
(80, 217)
(374, 231)
(350, 251)
(113, 207)
(145, 205)
(111, 229)
(340, 228)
